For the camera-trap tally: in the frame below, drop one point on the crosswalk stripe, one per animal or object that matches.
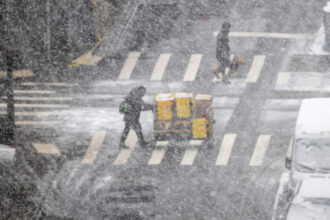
(257, 64)
(18, 73)
(46, 148)
(34, 92)
(3, 105)
(283, 78)
(37, 113)
(160, 67)
(48, 84)
(225, 150)
(268, 35)
(87, 59)
(94, 147)
(189, 156)
(126, 153)
(129, 65)
(26, 98)
(193, 67)
(260, 150)
(158, 154)
(191, 153)
(36, 122)
(315, 79)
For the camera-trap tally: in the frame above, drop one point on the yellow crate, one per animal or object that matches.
(200, 128)
(183, 105)
(164, 106)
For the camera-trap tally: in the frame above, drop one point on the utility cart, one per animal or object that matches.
(180, 116)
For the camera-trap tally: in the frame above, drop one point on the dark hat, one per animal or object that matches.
(225, 25)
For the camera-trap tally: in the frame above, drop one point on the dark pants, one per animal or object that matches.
(136, 127)
(223, 64)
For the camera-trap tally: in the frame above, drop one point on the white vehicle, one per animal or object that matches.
(310, 151)
(311, 201)
(7, 155)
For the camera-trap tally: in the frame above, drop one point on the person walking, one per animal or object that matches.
(131, 107)
(223, 52)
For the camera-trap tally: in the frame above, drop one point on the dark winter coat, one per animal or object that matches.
(135, 106)
(223, 49)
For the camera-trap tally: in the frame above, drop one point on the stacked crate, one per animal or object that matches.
(202, 118)
(164, 104)
(181, 124)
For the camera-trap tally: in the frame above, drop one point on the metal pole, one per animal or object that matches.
(9, 57)
(48, 31)
(10, 99)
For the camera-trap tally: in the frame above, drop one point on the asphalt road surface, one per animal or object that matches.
(77, 122)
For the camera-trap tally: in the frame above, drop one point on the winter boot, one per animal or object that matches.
(216, 74)
(123, 146)
(225, 79)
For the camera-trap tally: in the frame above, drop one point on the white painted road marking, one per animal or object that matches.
(48, 84)
(19, 73)
(27, 98)
(191, 153)
(43, 123)
(314, 79)
(44, 114)
(257, 64)
(260, 150)
(160, 67)
(129, 65)
(268, 35)
(158, 154)
(193, 67)
(34, 92)
(2, 105)
(46, 148)
(94, 147)
(87, 59)
(126, 153)
(226, 148)
(283, 78)
(284, 180)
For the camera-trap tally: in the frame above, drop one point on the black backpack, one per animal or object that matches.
(124, 107)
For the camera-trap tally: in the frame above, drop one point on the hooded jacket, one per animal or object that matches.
(136, 104)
